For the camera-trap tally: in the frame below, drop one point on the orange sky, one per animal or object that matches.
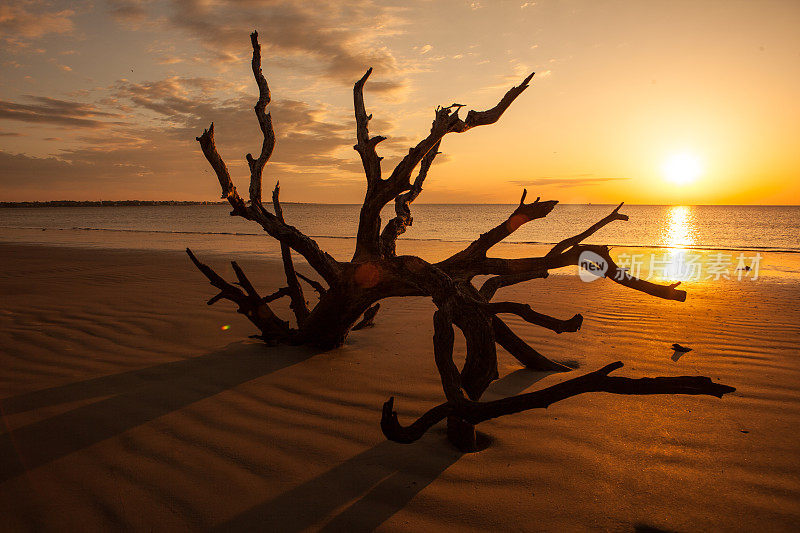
(103, 100)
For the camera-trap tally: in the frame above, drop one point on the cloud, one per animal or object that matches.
(110, 174)
(127, 10)
(580, 180)
(20, 169)
(169, 60)
(25, 177)
(54, 111)
(306, 137)
(343, 40)
(22, 21)
(155, 149)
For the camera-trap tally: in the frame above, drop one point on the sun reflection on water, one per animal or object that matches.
(678, 233)
(679, 227)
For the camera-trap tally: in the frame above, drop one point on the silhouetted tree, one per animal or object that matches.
(376, 272)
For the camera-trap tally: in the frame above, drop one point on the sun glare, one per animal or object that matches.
(682, 168)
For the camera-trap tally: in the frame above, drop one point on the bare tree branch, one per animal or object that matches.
(248, 301)
(597, 381)
(525, 312)
(264, 122)
(320, 261)
(244, 282)
(355, 288)
(624, 278)
(316, 285)
(365, 145)
(572, 241)
(298, 304)
(524, 269)
(472, 261)
(280, 293)
(491, 285)
(522, 351)
(446, 121)
(229, 193)
(536, 266)
(368, 319)
(402, 207)
(521, 215)
(443, 338)
(323, 263)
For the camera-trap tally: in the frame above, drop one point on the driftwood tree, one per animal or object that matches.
(350, 291)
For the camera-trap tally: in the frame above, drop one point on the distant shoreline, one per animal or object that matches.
(136, 203)
(107, 203)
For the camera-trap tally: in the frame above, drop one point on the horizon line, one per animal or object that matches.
(45, 203)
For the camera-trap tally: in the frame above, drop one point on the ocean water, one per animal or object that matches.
(662, 243)
(751, 228)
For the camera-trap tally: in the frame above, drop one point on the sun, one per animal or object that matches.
(682, 168)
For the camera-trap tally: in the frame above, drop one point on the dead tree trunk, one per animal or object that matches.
(376, 272)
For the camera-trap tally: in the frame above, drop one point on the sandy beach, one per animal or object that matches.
(126, 404)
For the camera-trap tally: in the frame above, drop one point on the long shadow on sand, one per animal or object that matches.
(136, 397)
(366, 490)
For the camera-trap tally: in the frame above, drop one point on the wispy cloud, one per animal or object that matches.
(24, 23)
(29, 20)
(184, 106)
(577, 181)
(128, 10)
(43, 109)
(343, 40)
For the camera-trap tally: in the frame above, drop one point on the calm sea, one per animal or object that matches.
(765, 228)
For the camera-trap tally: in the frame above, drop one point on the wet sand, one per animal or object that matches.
(125, 405)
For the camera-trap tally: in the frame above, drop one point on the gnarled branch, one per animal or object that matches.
(316, 285)
(298, 304)
(521, 215)
(368, 319)
(597, 381)
(444, 123)
(365, 145)
(229, 192)
(323, 263)
(443, 338)
(249, 303)
(491, 285)
(572, 241)
(521, 350)
(624, 278)
(466, 264)
(354, 289)
(525, 312)
(383, 191)
(264, 122)
(402, 207)
(537, 266)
